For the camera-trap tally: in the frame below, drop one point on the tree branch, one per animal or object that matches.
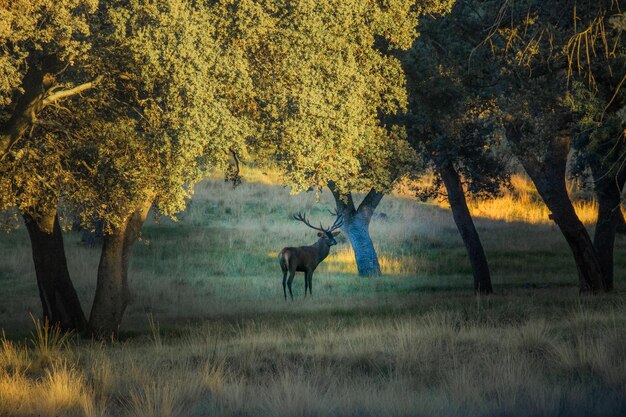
(345, 203)
(30, 104)
(59, 95)
(371, 201)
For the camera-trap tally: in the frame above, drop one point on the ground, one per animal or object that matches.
(208, 332)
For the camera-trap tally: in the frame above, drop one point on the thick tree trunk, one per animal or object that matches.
(59, 301)
(621, 224)
(465, 224)
(548, 175)
(356, 226)
(608, 192)
(112, 293)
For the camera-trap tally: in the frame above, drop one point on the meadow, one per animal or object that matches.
(208, 332)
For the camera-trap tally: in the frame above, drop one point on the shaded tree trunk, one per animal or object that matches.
(621, 224)
(608, 192)
(356, 227)
(112, 293)
(59, 300)
(548, 175)
(466, 227)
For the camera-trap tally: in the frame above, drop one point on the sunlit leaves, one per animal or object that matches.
(185, 84)
(184, 88)
(328, 77)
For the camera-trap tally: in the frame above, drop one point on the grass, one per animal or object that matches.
(208, 333)
(523, 203)
(519, 203)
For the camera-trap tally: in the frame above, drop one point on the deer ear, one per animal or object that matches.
(320, 234)
(336, 233)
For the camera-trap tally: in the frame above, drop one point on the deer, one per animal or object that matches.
(307, 258)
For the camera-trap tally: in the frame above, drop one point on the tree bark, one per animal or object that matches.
(112, 292)
(59, 300)
(621, 224)
(356, 223)
(608, 192)
(466, 227)
(548, 175)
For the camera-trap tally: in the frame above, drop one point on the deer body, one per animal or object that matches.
(306, 258)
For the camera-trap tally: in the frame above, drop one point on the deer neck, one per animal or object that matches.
(323, 249)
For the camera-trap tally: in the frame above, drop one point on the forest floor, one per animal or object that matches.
(208, 332)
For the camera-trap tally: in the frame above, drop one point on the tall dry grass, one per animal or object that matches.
(520, 202)
(441, 363)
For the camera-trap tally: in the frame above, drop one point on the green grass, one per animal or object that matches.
(208, 333)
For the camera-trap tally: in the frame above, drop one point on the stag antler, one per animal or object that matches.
(338, 222)
(302, 218)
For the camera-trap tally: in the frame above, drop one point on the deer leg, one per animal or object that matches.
(310, 284)
(289, 281)
(307, 282)
(285, 283)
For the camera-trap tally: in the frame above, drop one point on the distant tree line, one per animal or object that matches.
(116, 107)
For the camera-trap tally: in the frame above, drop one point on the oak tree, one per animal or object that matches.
(43, 47)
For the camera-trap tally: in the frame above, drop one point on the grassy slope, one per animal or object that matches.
(414, 342)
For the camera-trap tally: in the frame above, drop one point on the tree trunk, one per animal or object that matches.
(356, 226)
(587, 263)
(465, 224)
(608, 192)
(59, 300)
(36, 82)
(621, 224)
(112, 293)
(548, 175)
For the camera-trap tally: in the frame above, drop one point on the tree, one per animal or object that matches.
(536, 46)
(450, 121)
(598, 99)
(356, 227)
(324, 97)
(181, 98)
(40, 43)
(171, 103)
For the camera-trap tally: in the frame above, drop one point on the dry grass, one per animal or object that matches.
(438, 363)
(522, 204)
(208, 334)
(519, 203)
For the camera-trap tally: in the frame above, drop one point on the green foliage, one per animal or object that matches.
(561, 65)
(329, 80)
(181, 95)
(184, 85)
(52, 37)
(32, 29)
(597, 95)
(451, 116)
(172, 104)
